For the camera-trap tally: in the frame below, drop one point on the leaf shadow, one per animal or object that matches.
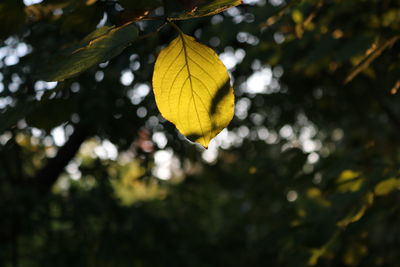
(193, 137)
(221, 93)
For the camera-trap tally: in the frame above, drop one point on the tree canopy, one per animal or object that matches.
(106, 107)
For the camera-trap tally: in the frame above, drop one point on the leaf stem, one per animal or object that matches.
(151, 33)
(153, 18)
(175, 27)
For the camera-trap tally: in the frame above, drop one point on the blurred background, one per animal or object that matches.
(306, 174)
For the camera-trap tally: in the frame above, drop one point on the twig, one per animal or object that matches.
(274, 18)
(370, 57)
(151, 33)
(49, 174)
(153, 18)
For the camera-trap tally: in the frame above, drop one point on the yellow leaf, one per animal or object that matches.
(387, 186)
(297, 16)
(354, 217)
(192, 89)
(349, 181)
(357, 213)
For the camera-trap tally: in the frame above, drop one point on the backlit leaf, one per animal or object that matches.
(192, 89)
(100, 46)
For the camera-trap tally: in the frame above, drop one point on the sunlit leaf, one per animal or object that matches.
(349, 181)
(353, 217)
(358, 212)
(316, 195)
(184, 9)
(130, 189)
(317, 253)
(192, 89)
(387, 186)
(297, 16)
(100, 46)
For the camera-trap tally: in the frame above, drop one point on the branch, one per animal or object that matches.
(274, 18)
(371, 54)
(49, 174)
(141, 37)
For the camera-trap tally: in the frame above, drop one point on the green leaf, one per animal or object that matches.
(370, 56)
(187, 9)
(192, 89)
(80, 18)
(100, 46)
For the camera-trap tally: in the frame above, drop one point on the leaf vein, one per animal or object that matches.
(171, 87)
(208, 91)
(212, 78)
(180, 94)
(208, 112)
(170, 65)
(191, 83)
(206, 59)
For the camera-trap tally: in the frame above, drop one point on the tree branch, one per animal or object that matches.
(49, 174)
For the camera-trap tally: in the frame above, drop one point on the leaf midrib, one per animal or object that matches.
(191, 83)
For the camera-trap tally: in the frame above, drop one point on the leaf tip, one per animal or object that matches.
(202, 142)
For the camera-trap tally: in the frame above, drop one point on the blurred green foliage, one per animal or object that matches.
(306, 175)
